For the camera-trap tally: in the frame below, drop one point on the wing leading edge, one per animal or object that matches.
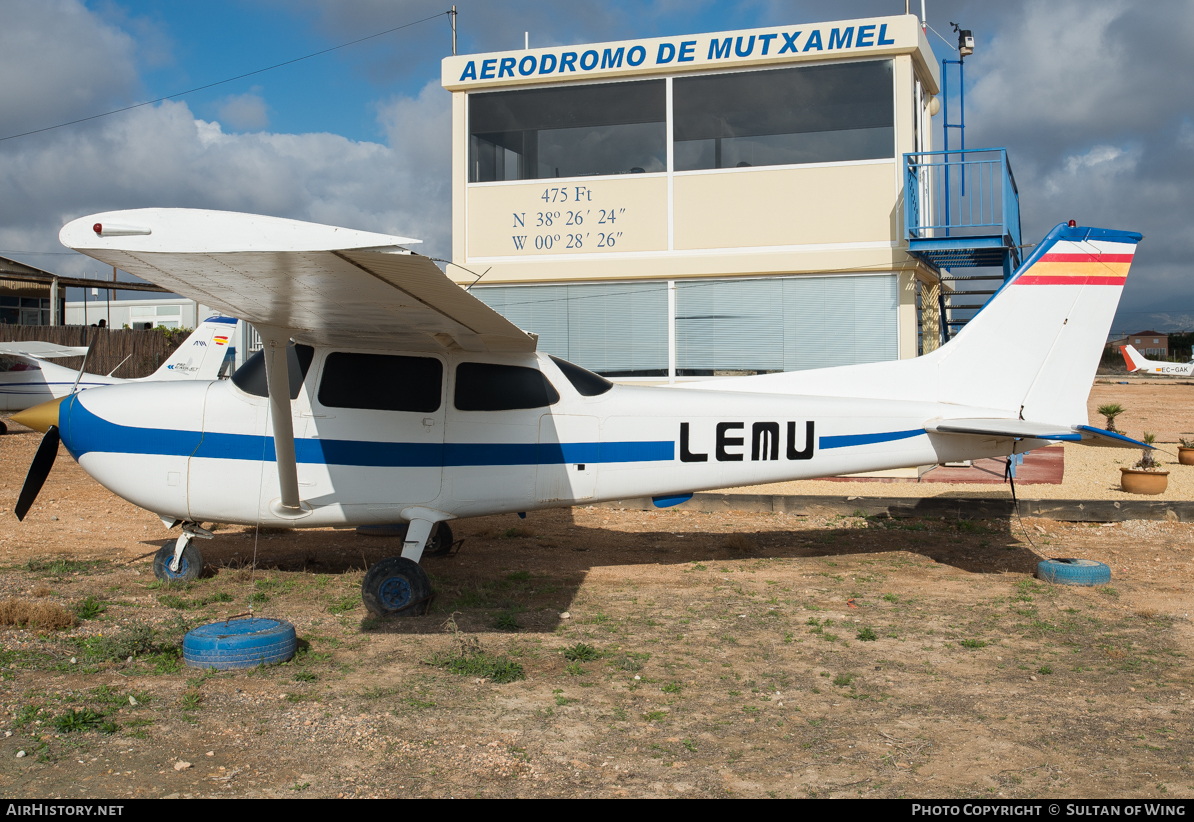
(327, 285)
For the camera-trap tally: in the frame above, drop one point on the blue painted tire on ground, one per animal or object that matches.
(1073, 572)
(190, 564)
(241, 643)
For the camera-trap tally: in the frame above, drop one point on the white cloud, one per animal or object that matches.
(244, 112)
(164, 156)
(59, 61)
(1098, 155)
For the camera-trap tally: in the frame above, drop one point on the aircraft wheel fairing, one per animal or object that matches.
(243, 643)
(396, 586)
(190, 564)
(1073, 572)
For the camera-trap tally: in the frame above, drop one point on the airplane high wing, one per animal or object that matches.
(323, 284)
(42, 350)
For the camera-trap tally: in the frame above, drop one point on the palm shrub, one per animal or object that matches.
(1111, 410)
(1147, 462)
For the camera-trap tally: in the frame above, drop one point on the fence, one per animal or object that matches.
(137, 352)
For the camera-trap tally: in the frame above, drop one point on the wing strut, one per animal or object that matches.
(277, 379)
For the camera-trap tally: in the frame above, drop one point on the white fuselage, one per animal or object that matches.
(203, 451)
(32, 382)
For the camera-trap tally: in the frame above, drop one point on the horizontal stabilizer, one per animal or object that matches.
(42, 350)
(1028, 429)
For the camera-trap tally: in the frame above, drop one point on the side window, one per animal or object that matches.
(489, 387)
(381, 382)
(250, 377)
(17, 364)
(586, 383)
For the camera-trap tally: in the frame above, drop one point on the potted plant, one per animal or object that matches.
(1185, 451)
(1146, 476)
(1111, 410)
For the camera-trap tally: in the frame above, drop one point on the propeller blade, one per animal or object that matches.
(43, 461)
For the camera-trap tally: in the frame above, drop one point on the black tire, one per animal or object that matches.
(1073, 572)
(396, 586)
(440, 544)
(3, 428)
(190, 564)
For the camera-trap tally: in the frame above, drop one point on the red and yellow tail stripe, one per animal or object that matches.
(1078, 269)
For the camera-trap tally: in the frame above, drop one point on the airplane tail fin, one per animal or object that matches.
(1030, 353)
(202, 353)
(1132, 358)
(1035, 347)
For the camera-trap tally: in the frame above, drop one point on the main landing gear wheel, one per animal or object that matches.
(396, 586)
(440, 544)
(3, 428)
(190, 564)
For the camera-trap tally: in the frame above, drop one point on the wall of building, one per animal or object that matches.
(169, 313)
(562, 240)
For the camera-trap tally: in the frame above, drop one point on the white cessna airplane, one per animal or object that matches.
(1136, 362)
(27, 379)
(387, 393)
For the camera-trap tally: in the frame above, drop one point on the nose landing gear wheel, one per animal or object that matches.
(190, 564)
(396, 586)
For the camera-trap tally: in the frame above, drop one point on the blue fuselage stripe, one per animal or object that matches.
(84, 432)
(847, 440)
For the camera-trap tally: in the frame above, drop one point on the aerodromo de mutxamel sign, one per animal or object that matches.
(878, 36)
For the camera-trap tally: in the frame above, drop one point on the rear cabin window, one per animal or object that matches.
(8, 364)
(381, 382)
(250, 377)
(489, 387)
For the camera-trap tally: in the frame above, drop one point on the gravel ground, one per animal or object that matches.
(1166, 409)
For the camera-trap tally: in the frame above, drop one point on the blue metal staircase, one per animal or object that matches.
(962, 210)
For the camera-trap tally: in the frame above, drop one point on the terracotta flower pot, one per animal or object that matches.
(1143, 482)
(1185, 455)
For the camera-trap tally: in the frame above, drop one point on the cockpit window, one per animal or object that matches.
(381, 382)
(8, 363)
(484, 386)
(583, 380)
(250, 377)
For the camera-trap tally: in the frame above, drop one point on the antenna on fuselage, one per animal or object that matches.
(95, 338)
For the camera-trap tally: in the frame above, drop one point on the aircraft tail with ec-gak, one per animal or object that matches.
(1138, 363)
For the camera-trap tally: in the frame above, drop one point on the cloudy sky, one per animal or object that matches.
(1089, 96)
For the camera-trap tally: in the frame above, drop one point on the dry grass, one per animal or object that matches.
(515, 532)
(238, 569)
(42, 590)
(35, 614)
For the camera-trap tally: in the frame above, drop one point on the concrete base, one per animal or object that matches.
(1065, 510)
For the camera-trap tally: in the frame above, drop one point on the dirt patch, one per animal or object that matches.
(665, 653)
